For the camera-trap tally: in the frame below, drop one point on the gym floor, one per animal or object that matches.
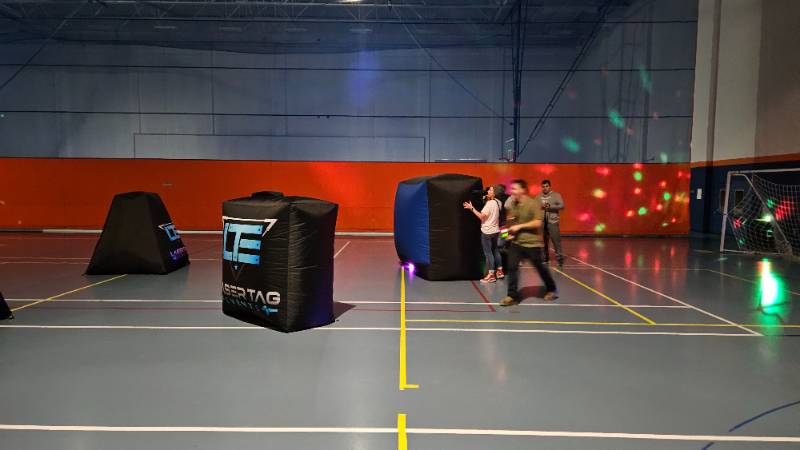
(652, 344)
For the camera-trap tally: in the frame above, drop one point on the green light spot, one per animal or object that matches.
(644, 76)
(770, 203)
(642, 210)
(599, 227)
(766, 218)
(571, 144)
(637, 176)
(664, 157)
(615, 118)
(667, 196)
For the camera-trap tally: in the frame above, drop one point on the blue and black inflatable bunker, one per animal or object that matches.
(434, 232)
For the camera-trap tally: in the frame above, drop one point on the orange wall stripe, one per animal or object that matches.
(76, 193)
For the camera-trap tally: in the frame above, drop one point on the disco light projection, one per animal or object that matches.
(664, 224)
(664, 157)
(600, 227)
(765, 218)
(667, 196)
(770, 203)
(647, 82)
(663, 184)
(599, 193)
(637, 191)
(598, 141)
(769, 286)
(630, 131)
(637, 176)
(411, 268)
(630, 213)
(604, 171)
(585, 217)
(659, 207)
(642, 210)
(674, 220)
(571, 144)
(616, 119)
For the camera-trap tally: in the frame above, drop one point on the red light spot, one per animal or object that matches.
(547, 169)
(603, 170)
(637, 191)
(585, 217)
(629, 131)
(583, 253)
(630, 213)
(680, 174)
(637, 166)
(659, 207)
(663, 184)
(598, 141)
(674, 220)
(628, 259)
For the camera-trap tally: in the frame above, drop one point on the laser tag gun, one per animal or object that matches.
(5, 311)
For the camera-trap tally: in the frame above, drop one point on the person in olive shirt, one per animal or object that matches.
(527, 242)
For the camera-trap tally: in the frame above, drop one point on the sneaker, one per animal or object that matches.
(499, 274)
(550, 296)
(508, 301)
(488, 278)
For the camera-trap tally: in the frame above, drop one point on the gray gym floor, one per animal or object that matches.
(150, 362)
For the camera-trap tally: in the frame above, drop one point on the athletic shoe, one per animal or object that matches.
(488, 278)
(550, 296)
(499, 274)
(508, 301)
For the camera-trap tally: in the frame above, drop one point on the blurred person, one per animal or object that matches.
(526, 242)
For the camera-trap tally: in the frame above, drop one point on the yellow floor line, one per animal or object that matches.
(402, 438)
(591, 289)
(623, 324)
(69, 292)
(403, 351)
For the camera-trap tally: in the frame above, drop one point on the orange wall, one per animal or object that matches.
(76, 193)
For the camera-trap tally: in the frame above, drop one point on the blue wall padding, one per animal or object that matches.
(412, 234)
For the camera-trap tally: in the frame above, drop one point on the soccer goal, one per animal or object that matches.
(761, 211)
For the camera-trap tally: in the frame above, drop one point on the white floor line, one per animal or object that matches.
(722, 319)
(418, 431)
(476, 304)
(392, 329)
(341, 249)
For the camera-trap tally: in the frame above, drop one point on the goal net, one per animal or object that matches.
(761, 212)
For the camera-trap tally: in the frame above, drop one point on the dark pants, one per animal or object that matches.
(516, 254)
(552, 233)
(490, 250)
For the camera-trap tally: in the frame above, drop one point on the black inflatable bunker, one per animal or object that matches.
(138, 237)
(434, 232)
(277, 260)
(5, 311)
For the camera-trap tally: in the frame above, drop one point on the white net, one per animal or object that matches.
(764, 215)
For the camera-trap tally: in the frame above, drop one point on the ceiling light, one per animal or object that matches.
(164, 27)
(361, 30)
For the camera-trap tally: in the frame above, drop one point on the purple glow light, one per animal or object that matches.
(411, 268)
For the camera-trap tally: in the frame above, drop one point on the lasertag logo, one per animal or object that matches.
(241, 247)
(241, 240)
(252, 299)
(172, 232)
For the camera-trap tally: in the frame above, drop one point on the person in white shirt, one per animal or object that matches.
(490, 231)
